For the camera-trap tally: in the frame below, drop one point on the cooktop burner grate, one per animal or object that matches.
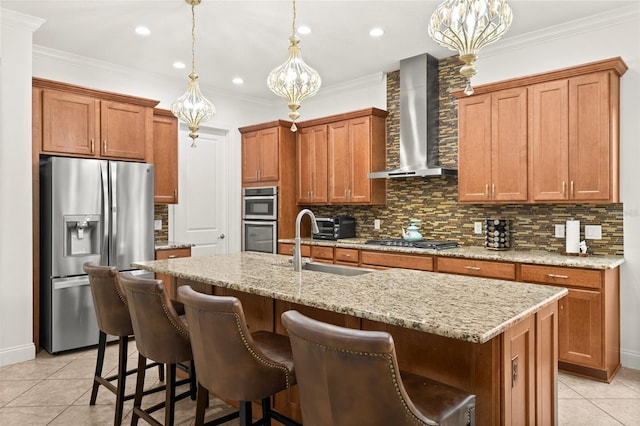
(425, 244)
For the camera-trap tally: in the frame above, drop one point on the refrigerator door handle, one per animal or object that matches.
(84, 281)
(106, 222)
(113, 247)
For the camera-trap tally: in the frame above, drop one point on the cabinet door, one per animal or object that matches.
(360, 160)
(268, 154)
(70, 123)
(250, 155)
(589, 137)
(312, 165)
(171, 254)
(165, 159)
(474, 148)
(580, 328)
(124, 129)
(549, 145)
(509, 142)
(339, 162)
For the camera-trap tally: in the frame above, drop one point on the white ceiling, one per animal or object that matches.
(247, 39)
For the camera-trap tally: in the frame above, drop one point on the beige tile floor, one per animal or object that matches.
(55, 390)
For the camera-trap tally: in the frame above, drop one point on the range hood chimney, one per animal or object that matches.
(419, 105)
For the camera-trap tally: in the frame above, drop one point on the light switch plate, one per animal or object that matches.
(559, 231)
(477, 227)
(593, 232)
(157, 224)
(376, 224)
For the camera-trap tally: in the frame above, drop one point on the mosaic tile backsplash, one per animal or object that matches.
(435, 200)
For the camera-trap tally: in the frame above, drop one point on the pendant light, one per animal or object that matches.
(294, 80)
(192, 107)
(466, 26)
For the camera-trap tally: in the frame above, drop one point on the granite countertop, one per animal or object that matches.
(518, 256)
(460, 307)
(169, 245)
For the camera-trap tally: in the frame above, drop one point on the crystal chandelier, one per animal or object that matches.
(192, 107)
(467, 26)
(294, 80)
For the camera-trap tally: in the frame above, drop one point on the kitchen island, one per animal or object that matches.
(496, 339)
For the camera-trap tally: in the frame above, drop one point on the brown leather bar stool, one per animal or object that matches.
(161, 336)
(350, 377)
(113, 318)
(232, 362)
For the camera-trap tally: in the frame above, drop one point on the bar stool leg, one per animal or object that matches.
(201, 405)
(122, 378)
(170, 404)
(102, 342)
(246, 418)
(137, 401)
(266, 411)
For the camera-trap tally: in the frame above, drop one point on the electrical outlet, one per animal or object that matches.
(559, 231)
(376, 224)
(157, 225)
(593, 232)
(477, 227)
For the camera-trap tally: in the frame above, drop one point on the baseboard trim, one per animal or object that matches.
(630, 359)
(17, 354)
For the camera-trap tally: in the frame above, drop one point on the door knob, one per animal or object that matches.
(222, 236)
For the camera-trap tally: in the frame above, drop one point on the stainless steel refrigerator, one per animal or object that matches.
(90, 211)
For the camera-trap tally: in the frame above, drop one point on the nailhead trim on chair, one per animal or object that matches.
(181, 330)
(389, 359)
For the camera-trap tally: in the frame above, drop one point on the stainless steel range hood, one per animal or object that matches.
(419, 105)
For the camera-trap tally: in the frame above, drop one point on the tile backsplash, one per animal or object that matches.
(162, 213)
(435, 200)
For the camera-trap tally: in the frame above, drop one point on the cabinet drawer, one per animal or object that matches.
(346, 255)
(393, 260)
(477, 268)
(286, 248)
(561, 276)
(320, 252)
(173, 253)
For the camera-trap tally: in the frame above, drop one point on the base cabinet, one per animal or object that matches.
(171, 254)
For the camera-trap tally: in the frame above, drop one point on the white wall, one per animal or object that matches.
(16, 338)
(613, 34)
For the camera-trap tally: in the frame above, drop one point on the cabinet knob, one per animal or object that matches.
(472, 268)
(564, 188)
(564, 277)
(175, 194)
(572, 191)
(493, 191)
(486, 190)
(173, 256)
(92, 145)
(104, 145)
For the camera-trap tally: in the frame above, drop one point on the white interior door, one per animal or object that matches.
(202, 215)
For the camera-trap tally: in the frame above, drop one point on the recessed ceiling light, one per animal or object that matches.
(376, 32)
(179, 65)
(237, 80)
(303, 29)
(142, 30)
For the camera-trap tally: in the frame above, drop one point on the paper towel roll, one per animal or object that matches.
(572, 233)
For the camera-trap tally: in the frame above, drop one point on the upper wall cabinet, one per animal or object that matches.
(492, 153)
(354, 144)
(86, 122)
(260, 155)
(165, 156)
(565, 150)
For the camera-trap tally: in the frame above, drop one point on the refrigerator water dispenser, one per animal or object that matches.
(82, 235)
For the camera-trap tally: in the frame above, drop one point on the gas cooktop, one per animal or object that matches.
(425, 244)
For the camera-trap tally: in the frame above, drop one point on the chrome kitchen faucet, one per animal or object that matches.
(297, 256)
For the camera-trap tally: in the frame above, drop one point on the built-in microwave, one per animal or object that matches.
(260, 203)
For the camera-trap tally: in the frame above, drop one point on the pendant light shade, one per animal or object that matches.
(466, 26)
(294, 80)
(192, 107)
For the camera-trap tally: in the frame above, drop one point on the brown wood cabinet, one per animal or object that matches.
(588, 318)
(171, 254)
(572, 150)
(355, 146)
(85, 122)
(551, 137)
(269, 159)
(492, 147)
(477, 268)
(346, 256)
(165, 156)
(376, 259)
(311, 154)
(260, 155)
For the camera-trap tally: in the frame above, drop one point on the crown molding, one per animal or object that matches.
(20, 20)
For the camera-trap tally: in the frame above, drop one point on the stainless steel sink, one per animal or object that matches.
(348, 271)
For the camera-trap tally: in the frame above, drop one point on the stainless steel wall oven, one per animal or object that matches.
(260, 219)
